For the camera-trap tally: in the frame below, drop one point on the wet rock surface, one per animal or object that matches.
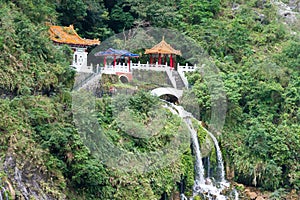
(26, 181)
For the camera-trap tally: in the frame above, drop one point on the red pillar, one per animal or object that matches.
(114, 61)
(151, 59)
(159, 59)
(128, 63)
(104, 61)
(171, 61)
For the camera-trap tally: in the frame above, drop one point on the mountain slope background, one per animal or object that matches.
(255, 44)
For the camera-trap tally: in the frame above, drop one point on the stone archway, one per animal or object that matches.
(123, 79)
(169, 94)
(170, 98)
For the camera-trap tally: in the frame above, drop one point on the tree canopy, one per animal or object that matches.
(257, 54)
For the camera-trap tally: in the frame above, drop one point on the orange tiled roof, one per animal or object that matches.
(164, 48)
(67, 35)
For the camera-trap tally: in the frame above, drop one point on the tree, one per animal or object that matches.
(88, 16)
(196, 12)
(120, 19)
(156, 13)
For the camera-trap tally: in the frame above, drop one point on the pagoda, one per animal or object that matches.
(161, 51)
(67, 35)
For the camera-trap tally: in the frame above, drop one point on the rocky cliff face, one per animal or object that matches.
(27, 179)
(294, 5)
(290, 11)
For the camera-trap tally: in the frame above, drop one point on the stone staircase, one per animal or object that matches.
(90, 83)
(179, 83)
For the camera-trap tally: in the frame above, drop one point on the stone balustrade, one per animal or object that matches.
(125, 68)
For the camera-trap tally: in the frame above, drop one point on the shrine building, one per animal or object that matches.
(67, 35)
(162, 53)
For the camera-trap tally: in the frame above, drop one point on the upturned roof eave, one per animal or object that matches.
(152, 51)
(69, 39)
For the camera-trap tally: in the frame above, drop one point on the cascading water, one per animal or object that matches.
(203, 186)
(4, 193)
(236, 194)
(208, 167)
(221, 170)
(199, 169)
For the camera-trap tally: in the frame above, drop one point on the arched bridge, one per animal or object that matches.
(171, 94)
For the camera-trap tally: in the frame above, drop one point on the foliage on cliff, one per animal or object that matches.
(42, 155)
(258, 58)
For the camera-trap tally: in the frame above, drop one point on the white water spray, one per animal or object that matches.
(221, 170)
(202, 186)
(208, 167)
(236, 195)
(199, 169)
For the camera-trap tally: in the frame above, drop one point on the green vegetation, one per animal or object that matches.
(137, 112)
(259, 65)
(258, 57)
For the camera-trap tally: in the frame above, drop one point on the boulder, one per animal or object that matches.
(252, 195)
(247, 190)
(295, 5)
(286, 12)
(208, 181)
(260, 198)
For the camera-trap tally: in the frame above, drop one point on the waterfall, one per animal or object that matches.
(5, 195)
(205, 186)
(202, 186)
(208, 167)
(236, 194)
(183, 197)
(221, 171)
(199, 169)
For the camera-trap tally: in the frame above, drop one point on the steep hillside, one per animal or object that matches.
(255, 45)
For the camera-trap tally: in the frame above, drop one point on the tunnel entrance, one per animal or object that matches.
(170, 98)
(123, 79)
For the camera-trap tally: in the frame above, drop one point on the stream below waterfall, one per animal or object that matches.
(3, 194)
(204, 186)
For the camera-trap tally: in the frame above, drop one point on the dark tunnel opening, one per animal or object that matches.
(170, 98)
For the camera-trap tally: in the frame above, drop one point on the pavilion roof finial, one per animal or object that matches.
(163, 38)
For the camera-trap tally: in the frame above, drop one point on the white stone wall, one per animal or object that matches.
(80, 61)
